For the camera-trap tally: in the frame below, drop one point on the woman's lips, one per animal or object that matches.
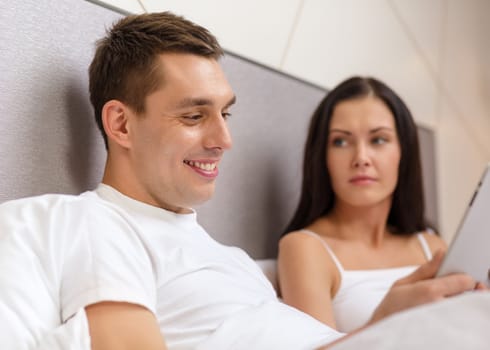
(362, 180)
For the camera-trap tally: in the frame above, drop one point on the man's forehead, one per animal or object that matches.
(182, 62)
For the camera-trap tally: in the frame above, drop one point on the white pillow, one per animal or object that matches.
(269, 267)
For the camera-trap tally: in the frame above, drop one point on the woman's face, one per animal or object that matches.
(363, 152)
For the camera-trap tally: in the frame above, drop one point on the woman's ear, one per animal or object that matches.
(115, 121)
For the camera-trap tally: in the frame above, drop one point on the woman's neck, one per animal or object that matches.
(361, 223)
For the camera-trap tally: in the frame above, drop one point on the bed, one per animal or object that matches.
(50, 144)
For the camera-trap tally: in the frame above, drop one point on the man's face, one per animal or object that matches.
(177, 144)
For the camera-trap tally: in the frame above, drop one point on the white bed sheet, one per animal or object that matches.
(461, 322)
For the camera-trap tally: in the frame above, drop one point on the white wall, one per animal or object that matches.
(435, 53)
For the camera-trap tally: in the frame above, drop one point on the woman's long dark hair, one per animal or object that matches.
(317, 197)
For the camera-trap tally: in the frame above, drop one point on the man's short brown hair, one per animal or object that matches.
(125, 66)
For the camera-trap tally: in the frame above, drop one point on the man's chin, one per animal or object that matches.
(202, 197)
(202, 200)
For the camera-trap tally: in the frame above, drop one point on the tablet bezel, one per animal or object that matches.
(469, 251)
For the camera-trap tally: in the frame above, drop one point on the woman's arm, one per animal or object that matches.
(306, 275)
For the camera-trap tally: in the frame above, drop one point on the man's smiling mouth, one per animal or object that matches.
(201, 165)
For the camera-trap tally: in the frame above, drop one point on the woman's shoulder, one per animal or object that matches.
(434, 241)
(303, 241)
(298, 238)
(301, 251)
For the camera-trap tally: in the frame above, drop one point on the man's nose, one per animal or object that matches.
(219, 136)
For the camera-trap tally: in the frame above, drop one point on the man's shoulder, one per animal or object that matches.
(48, 202)
(55, 210)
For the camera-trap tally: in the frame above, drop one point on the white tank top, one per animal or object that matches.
(361, 291)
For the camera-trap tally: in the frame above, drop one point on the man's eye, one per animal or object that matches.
(338, 142)
(226, 115)
(193, 117)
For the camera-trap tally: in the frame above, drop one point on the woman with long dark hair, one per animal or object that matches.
(359, 225)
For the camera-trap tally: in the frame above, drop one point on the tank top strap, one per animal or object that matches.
(327, 248)
(425, 246)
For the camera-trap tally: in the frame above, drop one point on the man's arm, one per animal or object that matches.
(123, 326)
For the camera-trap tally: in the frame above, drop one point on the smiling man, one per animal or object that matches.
(169, 153)
(131, 253)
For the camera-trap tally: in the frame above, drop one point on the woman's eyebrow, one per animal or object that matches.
(381, 128)
(340, 131)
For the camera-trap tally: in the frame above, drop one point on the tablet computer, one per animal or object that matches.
(469, 251)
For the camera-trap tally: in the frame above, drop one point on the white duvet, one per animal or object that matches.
(457, 323)
(461, 322)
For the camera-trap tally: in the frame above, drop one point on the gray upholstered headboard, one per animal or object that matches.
(49, 142)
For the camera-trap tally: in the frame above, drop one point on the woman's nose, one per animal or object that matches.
(361, 158)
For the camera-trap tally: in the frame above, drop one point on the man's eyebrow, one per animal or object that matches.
(231, 102)
(193, 102)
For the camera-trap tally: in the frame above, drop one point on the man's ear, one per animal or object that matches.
(115, 121)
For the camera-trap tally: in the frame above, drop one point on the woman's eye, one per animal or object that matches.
(226, 115)
(379, 140)
(337, 142)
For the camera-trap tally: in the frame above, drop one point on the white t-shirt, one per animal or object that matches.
(205, 288)
(58, 254)
(72, 251)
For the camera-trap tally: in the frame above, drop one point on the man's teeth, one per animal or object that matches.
(202, 166)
